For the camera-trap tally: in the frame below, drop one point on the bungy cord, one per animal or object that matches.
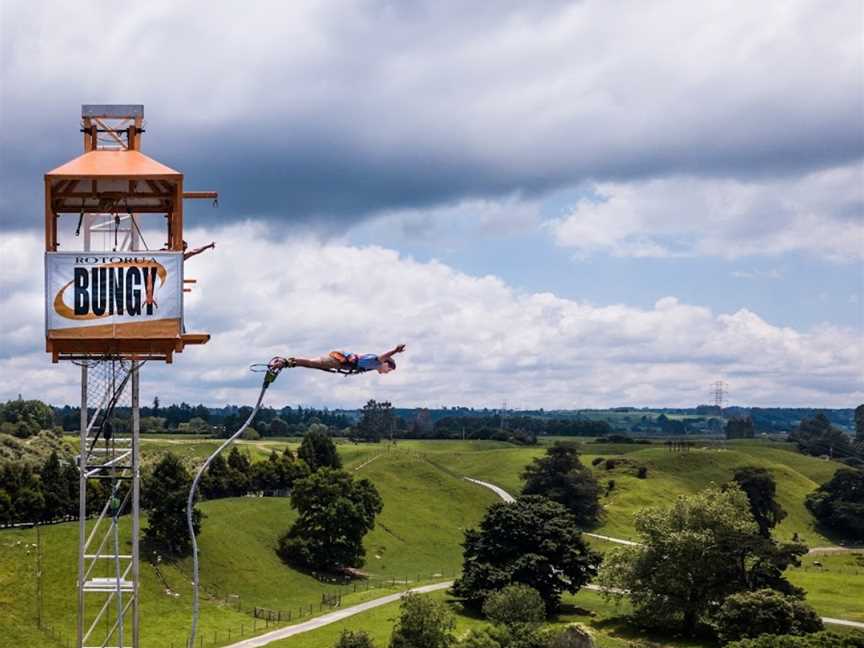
(269, 378)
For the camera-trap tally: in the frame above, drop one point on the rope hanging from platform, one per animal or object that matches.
(270, 376)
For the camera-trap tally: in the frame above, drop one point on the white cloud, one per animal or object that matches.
(820, 214)
(471, 340)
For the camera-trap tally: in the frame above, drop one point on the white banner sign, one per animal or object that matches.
(89, 289)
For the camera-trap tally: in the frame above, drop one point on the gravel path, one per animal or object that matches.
(332, 617)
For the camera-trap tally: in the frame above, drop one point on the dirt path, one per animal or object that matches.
(332, 617)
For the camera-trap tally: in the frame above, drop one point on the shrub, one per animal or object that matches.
(573, 636)
(816, 640)
(750, 614)
(351, 639)
(422, 623)
(515, 604)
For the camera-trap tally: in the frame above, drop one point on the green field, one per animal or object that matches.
(427, 507)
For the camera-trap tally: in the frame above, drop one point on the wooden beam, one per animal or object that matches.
(201, 195)
(50, 220)
(88, 134)
(111, 132)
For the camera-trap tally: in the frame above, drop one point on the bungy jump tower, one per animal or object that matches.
(113, 303)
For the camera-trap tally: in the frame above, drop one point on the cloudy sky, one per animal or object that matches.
(557, 204)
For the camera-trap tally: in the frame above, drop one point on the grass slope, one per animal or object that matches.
(418, 535)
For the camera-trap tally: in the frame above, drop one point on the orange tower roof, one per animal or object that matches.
(114, 164)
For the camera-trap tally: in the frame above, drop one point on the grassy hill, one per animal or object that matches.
(669, 475)
(427, 506)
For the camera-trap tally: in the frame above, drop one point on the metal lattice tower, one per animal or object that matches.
(108, 563)
(719, 390)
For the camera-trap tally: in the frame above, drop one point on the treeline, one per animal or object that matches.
(218, 422)
(521, 428)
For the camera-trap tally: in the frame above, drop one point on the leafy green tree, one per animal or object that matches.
(839, 503)
(515, 605)
(318, 450)
(533, 541)
(54, 489)
(750, 614)
(216, 482)
(376, 420)
(335, 512)
(816, 436)
(561, 477)
(422, 623)
(164, 496)
(761, 490)
(27, 417)
(740, 428)
(824, 639)
(239, 473)
(279, 428)
(354, 639)
(693, 555)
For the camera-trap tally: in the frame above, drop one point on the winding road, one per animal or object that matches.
(332, 617)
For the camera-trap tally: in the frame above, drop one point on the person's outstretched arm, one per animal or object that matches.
(191, 253)
(386, 356)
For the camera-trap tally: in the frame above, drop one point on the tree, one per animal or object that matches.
(239, 473)
(422, 623)
(376, 420)
(561, 477)
(278, 428)
(533, 541)
(165, 492)
(859, 423)
(759, 486)
(352, 639)
(335, 512)
(318, 450)
(216, 481)
(693, 555)
(54, 489)
(750, 614)
(740, 428)
(839, 503)
(515, 605)
(816, 436)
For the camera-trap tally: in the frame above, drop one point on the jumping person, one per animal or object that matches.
(190, 253)
(344, 362)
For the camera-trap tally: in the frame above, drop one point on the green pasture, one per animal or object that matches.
(427, 507)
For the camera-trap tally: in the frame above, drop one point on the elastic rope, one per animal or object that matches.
(189, 504)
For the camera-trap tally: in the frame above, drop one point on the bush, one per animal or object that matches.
(750, 614)
(817, 640)
(423, 623)
(573, 636)
(597, 461)
(515, 604)
(351, 639)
